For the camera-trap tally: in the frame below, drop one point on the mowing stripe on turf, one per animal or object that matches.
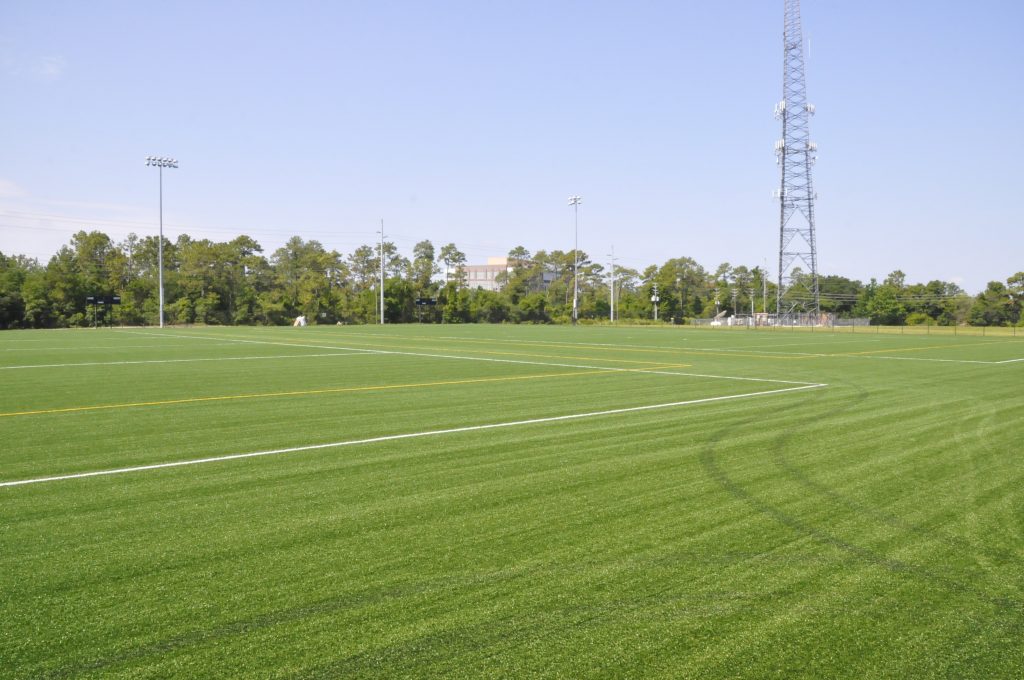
(409, 435)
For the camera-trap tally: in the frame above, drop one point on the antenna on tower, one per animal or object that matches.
(796, 153)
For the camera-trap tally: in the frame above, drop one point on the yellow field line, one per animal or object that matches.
(328, 390)
(920, 349)
(295, 393)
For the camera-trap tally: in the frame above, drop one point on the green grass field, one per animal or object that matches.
(721, 503)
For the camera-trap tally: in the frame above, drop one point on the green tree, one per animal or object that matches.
(518, 258)
(488, 306)
(884, 307)
(533, 308)
(1015, 290)
(423, 268)
(992, 307)
(838, 294)
(454, 263)
(304, 274)
(454, 300)
(14, 271)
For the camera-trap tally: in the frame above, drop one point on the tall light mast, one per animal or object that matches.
(161, 163)
(381, 232)
(611, 290)
(795, 154)
(575, 201)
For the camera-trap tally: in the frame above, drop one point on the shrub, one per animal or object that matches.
(919, 319)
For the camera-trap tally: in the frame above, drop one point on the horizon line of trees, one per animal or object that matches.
(233, 282)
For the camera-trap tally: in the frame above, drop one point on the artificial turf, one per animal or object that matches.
(863, 518)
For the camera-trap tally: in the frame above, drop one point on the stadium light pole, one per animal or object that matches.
(160, 163)
(575, 201)
(381, 270)
(611, 292)
(679, 285)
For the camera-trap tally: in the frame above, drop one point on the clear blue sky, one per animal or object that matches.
(473, 122)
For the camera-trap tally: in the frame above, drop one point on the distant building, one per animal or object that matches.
(486, 275)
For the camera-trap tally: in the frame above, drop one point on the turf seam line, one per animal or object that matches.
(409, 435)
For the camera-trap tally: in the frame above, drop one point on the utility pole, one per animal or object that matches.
(750, 292)
(382, 271)
(795, 154)
(764, 289)
(735, 294)
(575, 201)
(655, 299)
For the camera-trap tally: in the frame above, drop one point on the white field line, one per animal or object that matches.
(738, 348)
(178, 361)
(549, 342)
(74, 348)
(748, 349)
(260, 342)
(556, 343)
(409, 435)
(829, 341)
(943, 361)
(885, 357)
(611, 369)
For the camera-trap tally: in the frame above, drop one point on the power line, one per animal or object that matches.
(181, 227)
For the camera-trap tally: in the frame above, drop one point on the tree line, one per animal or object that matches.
(234, 282)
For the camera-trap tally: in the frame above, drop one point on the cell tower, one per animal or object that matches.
(795, 154)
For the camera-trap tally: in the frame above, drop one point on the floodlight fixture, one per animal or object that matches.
(161, 162)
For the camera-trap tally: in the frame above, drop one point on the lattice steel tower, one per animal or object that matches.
(795, 154)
